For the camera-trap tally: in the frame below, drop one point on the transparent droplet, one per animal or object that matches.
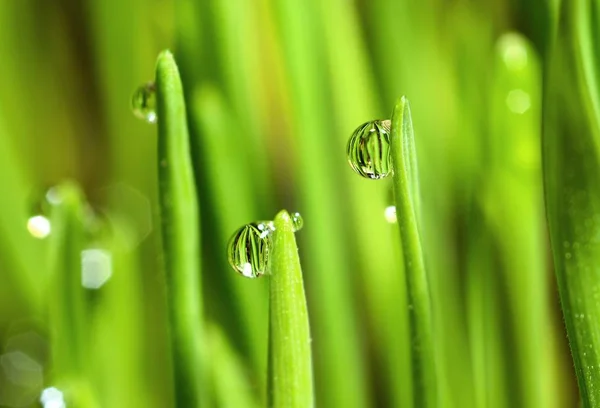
(369, 149)
(390, 214)
(143, 102)
(297, 221)
(39, 226)
(249, 249)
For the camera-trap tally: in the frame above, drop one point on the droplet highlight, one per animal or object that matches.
(297, 221)
(249, 249)
(39, 226)
(390, 214)
(143, 102)
(369, 150)
(96, 268)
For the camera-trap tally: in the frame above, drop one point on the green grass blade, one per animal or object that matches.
(571, 163)
(67, 297)
(181, 233)
(290, 361)
(406, 194)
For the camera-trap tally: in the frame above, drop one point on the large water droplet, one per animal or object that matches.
(249, 249)
(369, 149)
(297, 221)
(143, 102)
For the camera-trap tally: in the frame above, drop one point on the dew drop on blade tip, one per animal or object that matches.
(249, 249)
(297, 221)
(143, 102)
(368, 150)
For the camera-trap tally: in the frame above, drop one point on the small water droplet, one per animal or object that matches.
(39, 226)
(390, 214)
(143, 102)
(568, 255)
(249, 249)
(297, 221)
(512, 47)
(369, 150)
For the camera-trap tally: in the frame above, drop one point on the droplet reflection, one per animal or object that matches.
(368, 150)
(297, 221)
(143, 102)
(39, 226)
(390, 214)
(249, 249)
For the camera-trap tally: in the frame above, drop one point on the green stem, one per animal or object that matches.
(290, 361)
(406, 194)
(181, 236)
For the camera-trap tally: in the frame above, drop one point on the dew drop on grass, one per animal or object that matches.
(249, 249)
(390, 214)
(369, 150)
(297, 221)
(143, 102)
(39, 226)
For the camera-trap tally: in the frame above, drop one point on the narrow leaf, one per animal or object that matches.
(571, 163)
(406, 194)
(290, 361)
(181, 236)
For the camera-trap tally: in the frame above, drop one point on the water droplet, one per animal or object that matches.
(390, 214)
(96, 268)
(297, 221)
(52, 398)
(249, 249)
(369, 149)
(518, 101)
(39, 226)
(143, 102)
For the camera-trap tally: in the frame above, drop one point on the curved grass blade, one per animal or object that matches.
(571, 164)
(290, 361)
(181, 236)
(406, 194)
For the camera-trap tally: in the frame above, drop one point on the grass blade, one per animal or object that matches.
(181, 236)
(571, 162)
(406, 194)
(68, 313)
(290, 361)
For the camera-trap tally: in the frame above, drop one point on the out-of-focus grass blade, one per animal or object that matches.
(119, 354)
(66, 295)
(513, 203)
(232, 387)
(225, 166)
(290, 362)
(181, 233)
(406, 194)
(69, 308)
(336, 333)
(571, 162)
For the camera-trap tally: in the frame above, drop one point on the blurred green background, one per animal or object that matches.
(274, 89)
